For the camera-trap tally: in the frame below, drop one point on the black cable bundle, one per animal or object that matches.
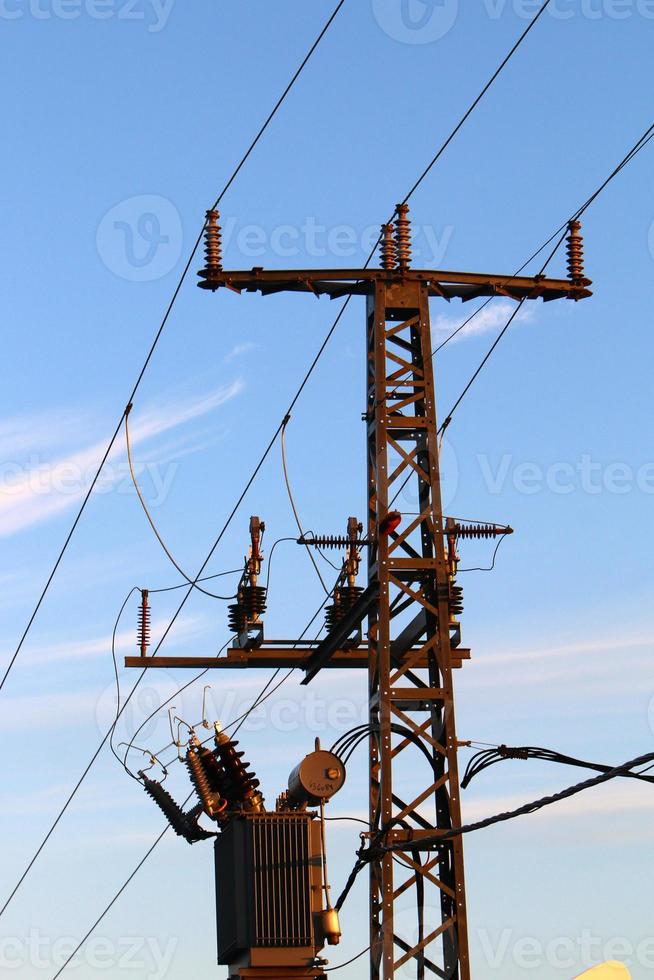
(489, 757)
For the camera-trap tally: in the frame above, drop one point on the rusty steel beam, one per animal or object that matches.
(280, 657)
(447, 285)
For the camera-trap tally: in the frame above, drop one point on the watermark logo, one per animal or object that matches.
(140, 239)
(416, 21)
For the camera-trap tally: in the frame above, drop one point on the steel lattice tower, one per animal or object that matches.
(411, 602)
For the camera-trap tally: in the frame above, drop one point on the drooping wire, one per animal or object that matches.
(157, 337)
(115, 665)
(293, 506)
(270, 556)
(346, 745)
(332, 969)
(376, 849)
(201, 673)
(205, 578)
(259, 700)
(486, 568)
(175, 694)
(147, 513)
(268, 691)
(502, 753)
(305, 380)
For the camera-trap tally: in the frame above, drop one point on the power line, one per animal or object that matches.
(116, 896)
(257, 468)
(293, 506)
(488, 757)
(261, 697)
(376, 849)
(181, 605)
(560, 235)
(476, 102)
(532, 807)
(115, 666)
(638, 146)
(158, 334)
(147, 513)
(180, 690)
(230, 517)
(332, 969)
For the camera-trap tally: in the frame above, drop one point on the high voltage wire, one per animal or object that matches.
(527, 808)
(192, 582)
(118, 427)
(273, 439)
(159, 332)
(376, 849)
(532, 23)
(265, 693)
(561, 231)
(559, 234)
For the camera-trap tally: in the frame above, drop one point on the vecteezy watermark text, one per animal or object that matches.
(36, 478)
(586, 475)
(426, 21)
(145, 954)
(154, 14)
(317, 240)
(583, 951)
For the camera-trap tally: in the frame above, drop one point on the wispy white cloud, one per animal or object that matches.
(186, 628)
(44, 489)
(491, 319)
(31, 432)
(598, 645)
(601, 662)
(604, 799)
(239, 350)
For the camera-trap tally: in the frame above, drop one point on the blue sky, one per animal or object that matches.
(122, 122)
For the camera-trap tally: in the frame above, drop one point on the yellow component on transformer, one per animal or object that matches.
(607, 971)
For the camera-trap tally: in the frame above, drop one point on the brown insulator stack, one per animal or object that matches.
(480, 530)
(213, 243)
(403, 237)
(456, 600)
(250, 605)
(575, 249)
(344, 598)
(143, 629)
(207, 777)
(388, 248)
(240, 784)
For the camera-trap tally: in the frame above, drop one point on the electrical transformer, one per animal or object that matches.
(274, 913)
(269, 893)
